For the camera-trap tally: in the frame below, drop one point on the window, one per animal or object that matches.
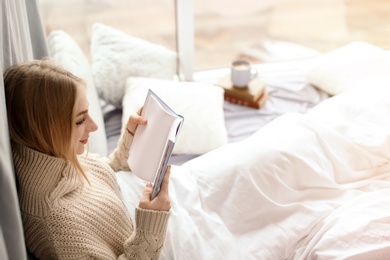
(152, 20)
(211, 33)
(271, 30)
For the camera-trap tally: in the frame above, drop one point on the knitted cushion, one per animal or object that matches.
(117, 55)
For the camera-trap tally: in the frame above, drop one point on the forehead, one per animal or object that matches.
(81, 89)
(81, 98)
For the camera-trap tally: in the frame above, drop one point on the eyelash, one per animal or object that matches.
(81, 121)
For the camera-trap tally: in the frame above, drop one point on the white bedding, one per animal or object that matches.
(286, 94)
(314, 186)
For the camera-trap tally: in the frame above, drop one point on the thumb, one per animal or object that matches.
(147, 193)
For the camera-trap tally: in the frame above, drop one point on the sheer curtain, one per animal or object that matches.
(22, 39)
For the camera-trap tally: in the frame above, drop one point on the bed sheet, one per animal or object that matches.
(287, 94)
(289, 190)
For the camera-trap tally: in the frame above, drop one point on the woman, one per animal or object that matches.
(70, 201)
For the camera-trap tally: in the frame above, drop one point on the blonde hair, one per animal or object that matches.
(40, 99)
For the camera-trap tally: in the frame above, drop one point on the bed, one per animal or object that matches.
(305, 177)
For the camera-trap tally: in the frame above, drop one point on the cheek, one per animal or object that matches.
(78, 136)
(79, 132)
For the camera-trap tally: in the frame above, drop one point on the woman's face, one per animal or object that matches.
(83, 123)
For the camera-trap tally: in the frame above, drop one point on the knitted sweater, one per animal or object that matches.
(64, 217)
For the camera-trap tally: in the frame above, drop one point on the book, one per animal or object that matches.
(153, 143)
(254, 104)
(251, 93)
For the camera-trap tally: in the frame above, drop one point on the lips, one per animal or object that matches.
(85, 141)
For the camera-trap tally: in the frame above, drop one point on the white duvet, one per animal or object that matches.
(313, 186)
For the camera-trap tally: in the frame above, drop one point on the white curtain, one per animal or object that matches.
(22, 39)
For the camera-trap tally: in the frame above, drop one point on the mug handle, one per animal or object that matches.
(254, 73)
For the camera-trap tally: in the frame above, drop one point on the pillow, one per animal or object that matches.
(355, 64)
(201, 105)
(65, 52)
(117, 56)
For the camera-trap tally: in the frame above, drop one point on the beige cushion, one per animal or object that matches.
(352, 65)
(201, 105)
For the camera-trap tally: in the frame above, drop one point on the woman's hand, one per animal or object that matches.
(134, 120)
(161, 201)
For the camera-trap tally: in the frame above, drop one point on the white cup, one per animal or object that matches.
(241, 73)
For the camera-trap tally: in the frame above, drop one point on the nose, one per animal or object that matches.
(92, 126)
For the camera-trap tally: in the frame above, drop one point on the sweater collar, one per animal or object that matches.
(44, 180)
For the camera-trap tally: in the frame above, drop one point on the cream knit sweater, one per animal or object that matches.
(66, 218)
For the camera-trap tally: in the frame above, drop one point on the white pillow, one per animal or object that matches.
(65, 52)
(355, 64)
(117, 56)
(201, 105)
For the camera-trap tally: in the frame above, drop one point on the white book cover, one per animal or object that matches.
(153, 143)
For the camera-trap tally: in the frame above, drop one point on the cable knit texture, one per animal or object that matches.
(66, 218)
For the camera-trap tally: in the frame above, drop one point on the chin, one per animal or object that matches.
(80, 149)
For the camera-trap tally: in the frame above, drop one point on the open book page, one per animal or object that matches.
(153, 143)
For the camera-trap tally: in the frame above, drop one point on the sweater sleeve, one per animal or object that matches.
(147, 239)
(57, 241)
(118, 158)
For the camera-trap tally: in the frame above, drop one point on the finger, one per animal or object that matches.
(147, 192)
(136, 119)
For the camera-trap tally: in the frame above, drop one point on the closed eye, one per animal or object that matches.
(81, 121)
